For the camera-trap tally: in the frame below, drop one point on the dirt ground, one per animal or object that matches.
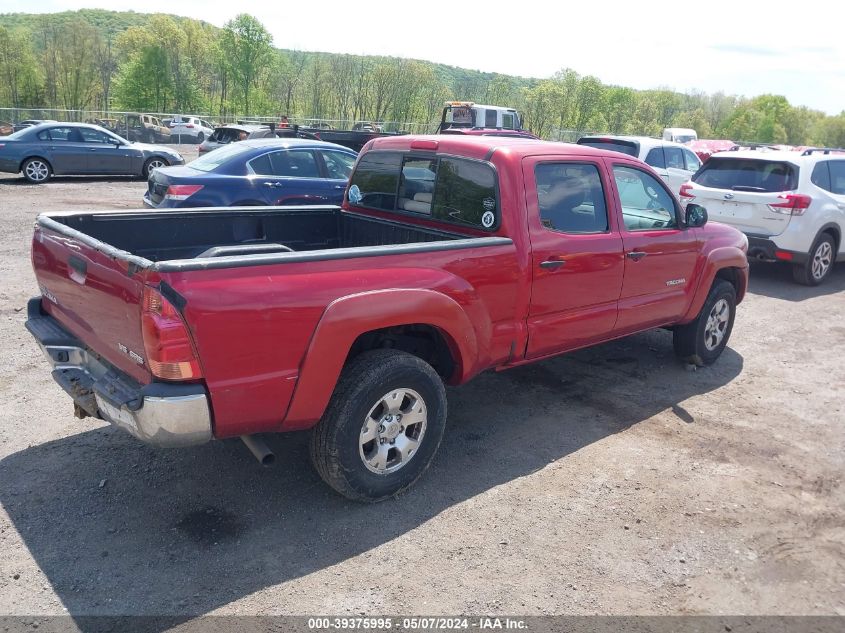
(609, 481)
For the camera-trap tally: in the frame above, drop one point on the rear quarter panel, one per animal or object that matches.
(252, 325)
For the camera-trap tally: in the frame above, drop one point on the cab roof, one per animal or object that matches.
(482, 147)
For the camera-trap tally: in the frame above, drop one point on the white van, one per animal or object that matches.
(679, 134)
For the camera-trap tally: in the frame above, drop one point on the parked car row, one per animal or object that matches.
(790, 205)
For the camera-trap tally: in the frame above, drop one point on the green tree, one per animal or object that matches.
(247, 46)
(19, 80)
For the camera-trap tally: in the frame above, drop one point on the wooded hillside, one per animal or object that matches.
(105, 60)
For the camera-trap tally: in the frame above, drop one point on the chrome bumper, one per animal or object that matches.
(160, 414)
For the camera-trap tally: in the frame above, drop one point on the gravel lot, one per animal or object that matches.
(609, 481)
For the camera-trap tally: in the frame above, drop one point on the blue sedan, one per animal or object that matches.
(273, 172)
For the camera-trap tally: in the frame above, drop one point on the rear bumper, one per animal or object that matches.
(765, 249)
(160, 414)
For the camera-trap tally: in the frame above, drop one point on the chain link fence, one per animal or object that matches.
(126, 124)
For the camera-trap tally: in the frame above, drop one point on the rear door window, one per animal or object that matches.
(837, 177)
(56, 134)
(655, 158)
(747, 174)
(821, 176)
(674, 158)
(287, 164)
(490, 118)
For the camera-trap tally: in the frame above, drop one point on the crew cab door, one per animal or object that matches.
(576, 251)
(661, 256)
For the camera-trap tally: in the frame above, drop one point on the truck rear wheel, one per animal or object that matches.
(382, 427)
(702, 341)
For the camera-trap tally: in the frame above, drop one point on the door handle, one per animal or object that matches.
(552, 264)
(340, 186)
(636, 255)
(273, 184)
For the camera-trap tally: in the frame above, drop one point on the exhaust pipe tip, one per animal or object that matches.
(259, 450)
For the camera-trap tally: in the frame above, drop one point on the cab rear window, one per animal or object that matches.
(445, 188)
(747, 174)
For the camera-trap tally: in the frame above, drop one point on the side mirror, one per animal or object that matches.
(695, 215)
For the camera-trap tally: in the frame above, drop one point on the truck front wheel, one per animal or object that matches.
(702, 341)
(382, 427)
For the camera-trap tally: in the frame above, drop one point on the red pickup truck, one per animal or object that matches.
(450, 255)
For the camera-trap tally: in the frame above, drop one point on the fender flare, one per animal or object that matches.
(717, 259)
(835, 229)
(346, 318)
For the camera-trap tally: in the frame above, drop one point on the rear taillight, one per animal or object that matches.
(170, 352)
(181, 192)
(686, 191)
(793, 204)
(190, 125)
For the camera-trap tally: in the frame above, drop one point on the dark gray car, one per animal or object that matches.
(78, 149)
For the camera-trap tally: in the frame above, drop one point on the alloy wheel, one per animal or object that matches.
(37, 171)
(717, 324)
(392, 431)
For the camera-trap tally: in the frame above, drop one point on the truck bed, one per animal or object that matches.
(213, 237)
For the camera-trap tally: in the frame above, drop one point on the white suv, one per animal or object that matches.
(185, 128)
(790, 205)
(672, 161)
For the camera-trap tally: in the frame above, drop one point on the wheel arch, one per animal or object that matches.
(726, 263)
(39, 157)
(835, 231)
(422, 322)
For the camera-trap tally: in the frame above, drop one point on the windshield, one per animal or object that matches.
(214, 159)
(684, 138)
(747, 174)
(630, 148)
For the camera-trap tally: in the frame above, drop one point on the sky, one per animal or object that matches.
(737, 47)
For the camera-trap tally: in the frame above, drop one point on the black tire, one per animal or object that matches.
(150, 136)
(337, 450)
(819, 262)
(37, 170)
(697, 343)
(200, 137)
(152, 163)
